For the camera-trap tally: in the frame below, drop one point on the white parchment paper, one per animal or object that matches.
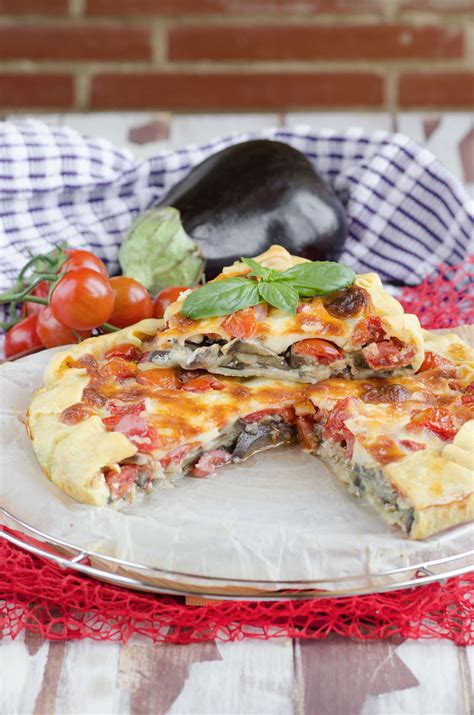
(279, 516)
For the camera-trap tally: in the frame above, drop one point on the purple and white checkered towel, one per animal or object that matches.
(406, 212)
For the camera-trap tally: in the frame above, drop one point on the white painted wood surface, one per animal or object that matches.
(330, 677)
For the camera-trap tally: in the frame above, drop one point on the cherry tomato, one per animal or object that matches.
(335, 427)
(434, 360)
(322, 351)
(126, 351)
(368, 330)
(206, 465)
(411, 445)
(159, 377)
(22, 337)
(242, 324)
(82, 299)
(435, 419)
(287, 414)
(52, 333)
(82, 259)
(118, 369)
(76, 413)
(203, 383)
(132, 302)
(165, 298)
(306, 435)
(388, 353)
(136, 429)
(41, 291)
(468, 397)
(120, 483)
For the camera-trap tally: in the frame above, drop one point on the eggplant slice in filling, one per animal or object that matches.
(248, 358)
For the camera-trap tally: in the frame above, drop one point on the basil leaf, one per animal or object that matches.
(221, 298)
(281, 296)
(257, 269)
(318, 277)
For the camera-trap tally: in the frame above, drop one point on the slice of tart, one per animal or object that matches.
(357, 331)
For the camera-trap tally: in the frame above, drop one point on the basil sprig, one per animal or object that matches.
(282, 289)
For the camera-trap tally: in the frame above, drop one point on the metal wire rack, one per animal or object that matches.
(161, 581)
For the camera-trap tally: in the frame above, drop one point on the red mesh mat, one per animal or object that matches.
(62, 605)
(445, 299)
(39, 596)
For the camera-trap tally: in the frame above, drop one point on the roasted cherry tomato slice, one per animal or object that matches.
(157, 377)
(165, 298)
(175, 456)
(77, 258)
(434, 360)
(435, 419)
(287, 414)
(119, 369)
(468, 397)
(126, 351)
(53, 333)
(74, 414)
(118, 409)
(335, 427)
(203, 383)
(242, 324)
(83, 299)
(206, 465)
(306, 434)
(368, 330)
(22, 337)
(120, 483)
(135, 428)
(322, 351)
(411, 445)
(132, 302)
(41, 291)
(388, 354)
(385, 449)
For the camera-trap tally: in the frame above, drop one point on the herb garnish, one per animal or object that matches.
(282, 289)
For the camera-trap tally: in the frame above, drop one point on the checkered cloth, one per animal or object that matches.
(406, 212)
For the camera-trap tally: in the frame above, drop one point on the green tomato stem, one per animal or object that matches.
(35, 299)
(109, 328)
(6, 326)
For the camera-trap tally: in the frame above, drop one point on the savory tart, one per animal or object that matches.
(109, 424)
(356, 331)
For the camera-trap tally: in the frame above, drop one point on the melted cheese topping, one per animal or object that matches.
(73, 456)
(279, 330)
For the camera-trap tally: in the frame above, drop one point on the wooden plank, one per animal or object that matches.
(88, 682)
(251, 676)
(22, 671)
(153, 675)
(336, 675)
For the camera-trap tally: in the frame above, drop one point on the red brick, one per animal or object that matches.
(236, 91)
(227, 7)
(314, 43)
(94, 42)
(33, 91)
(34, 7)
(441, 89)
(443, 6)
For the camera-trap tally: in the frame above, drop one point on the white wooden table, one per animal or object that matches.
(329, 677)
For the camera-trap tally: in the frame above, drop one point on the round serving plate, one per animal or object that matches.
(141, 577)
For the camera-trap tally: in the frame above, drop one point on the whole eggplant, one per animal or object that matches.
(243, 199)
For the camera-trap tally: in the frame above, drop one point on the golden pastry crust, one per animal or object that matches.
(72, 456)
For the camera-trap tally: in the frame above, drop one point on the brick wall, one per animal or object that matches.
(231, 55)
